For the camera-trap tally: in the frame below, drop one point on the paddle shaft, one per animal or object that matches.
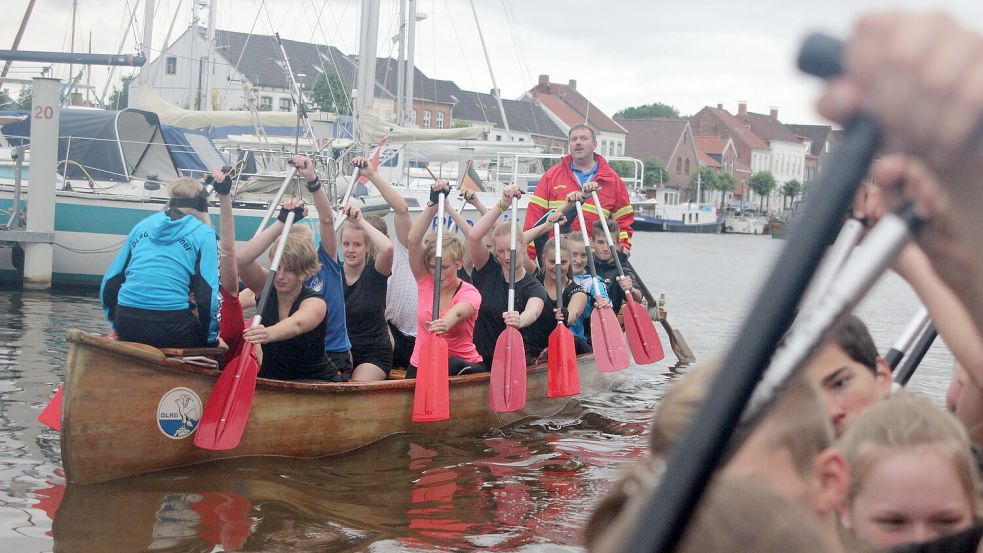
(663, 515)
(915, 327)
(513, 221)
(557, 270)
(438, 261)
(589, 250)
(344, 200)
(276, 201)
(607, 236)
(914, 358)
(833, 261)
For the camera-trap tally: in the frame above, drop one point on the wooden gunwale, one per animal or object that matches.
(112, 390)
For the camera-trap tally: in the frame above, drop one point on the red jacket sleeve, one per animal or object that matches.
(537, 207)
(625, 216)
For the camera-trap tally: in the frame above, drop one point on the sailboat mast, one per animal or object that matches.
(210, 63)
(17, 39)
(401, 65)
(498, 93)
(368, 40)
(75, 11)
(410, 71)
(148, 37)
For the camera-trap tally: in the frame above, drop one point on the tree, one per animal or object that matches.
(655, 109)
(24, 98)
(120, 97)
(625, 169)
(330, 95)
(725, 183)
(762, 183)
(704, 178)
(790, 189)
(655, 172)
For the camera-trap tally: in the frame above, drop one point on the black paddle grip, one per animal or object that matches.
(918, 352)
(821, 55)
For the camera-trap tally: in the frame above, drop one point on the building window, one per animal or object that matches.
(440, 119)
(687, 166)
(604, 147)
(620, 151)
(170, 65)
(522, 139)
(284, 104)
(498, 138)
(679, 165)
(426, 119)
(265, 103)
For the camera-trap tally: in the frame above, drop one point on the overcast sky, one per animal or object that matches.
(621, 52)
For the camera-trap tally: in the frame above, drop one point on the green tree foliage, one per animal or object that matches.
(706, 178)
(655, 109)
(120, 97)
(329, 94)
(625, 169)
(790, 189)
(655, 172)
(762, 183)
(24, 98)
(725, 183)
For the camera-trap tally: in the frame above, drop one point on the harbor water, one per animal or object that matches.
(528, 487)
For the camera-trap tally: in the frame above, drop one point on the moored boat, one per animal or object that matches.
(651, 215)
(128, 410)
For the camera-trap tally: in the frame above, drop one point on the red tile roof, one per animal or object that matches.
(577, 108)
(767, 127)
(737, 128)
(656, 137)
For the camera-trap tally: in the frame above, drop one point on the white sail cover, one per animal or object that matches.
(170, 114)
(373, 127)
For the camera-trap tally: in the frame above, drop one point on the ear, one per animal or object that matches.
(833, 478)
(883, 375)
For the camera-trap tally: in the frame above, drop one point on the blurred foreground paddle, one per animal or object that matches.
(431, 401)
(662, 516)
(226, 412)
(507, 390)
(562, 378)
(51, 414)
(643, 340)
(610, 352)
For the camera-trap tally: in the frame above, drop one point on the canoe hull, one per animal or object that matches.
(116, 421)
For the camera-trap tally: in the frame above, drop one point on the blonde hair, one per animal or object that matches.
(504, 229)
(453, 249)
(798, 422)
(299, 255)
(187, 187)
(902, 422)
(564, 246)
(733, 516)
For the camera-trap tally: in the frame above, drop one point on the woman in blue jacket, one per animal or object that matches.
(162, 288)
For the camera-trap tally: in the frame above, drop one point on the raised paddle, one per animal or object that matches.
(914, 357)
(915, 327)
(610, 352)
(562, 378)
(643, 340)
(431, 401)
(507, 390)
(224, 417)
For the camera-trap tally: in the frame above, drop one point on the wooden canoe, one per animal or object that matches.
(129, 411)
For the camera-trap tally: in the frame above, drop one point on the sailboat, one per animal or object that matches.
(113, 166)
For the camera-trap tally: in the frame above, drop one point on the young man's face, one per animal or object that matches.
(601, 249)
(847, 385)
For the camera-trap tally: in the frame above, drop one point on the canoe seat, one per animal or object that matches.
(396, 374)
(211, 353)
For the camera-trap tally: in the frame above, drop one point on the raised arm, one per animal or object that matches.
(401, 211)
(380, 242)
(250, 271)
(329, 241)
(228, 271)
(458, 219)
(479, 254)
(419, 229)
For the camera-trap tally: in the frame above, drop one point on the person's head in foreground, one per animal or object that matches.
(912, 474)
(849, 372)
(789, 451)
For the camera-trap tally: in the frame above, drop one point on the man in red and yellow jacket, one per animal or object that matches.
(581, 166)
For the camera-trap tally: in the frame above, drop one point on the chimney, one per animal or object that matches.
(494, 92)
(544, 84)
(720, 106)
(573, 84)
(741, 108)
(773, 113)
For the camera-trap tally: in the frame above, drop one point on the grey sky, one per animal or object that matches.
(621, 52)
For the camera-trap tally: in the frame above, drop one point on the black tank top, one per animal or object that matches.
(300, 357)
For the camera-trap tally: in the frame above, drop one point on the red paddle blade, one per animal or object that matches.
(431, 401)
(610, 351)
(643, 340)
(561, 376)
(507, 389)
(51, 414)
(227, 409)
